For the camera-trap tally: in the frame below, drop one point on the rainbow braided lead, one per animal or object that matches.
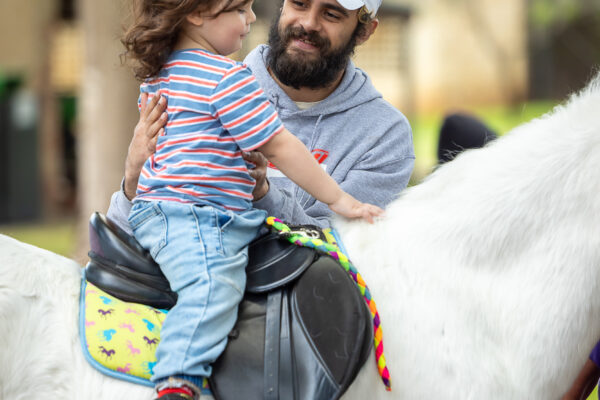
(335, 252)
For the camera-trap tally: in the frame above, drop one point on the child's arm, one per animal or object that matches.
(292, 158)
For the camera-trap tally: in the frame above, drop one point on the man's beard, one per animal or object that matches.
(308, 72)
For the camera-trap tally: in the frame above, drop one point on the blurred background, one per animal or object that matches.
(68, 107)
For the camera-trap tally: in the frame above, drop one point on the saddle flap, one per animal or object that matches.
(334, 319)
(274, 262)
(324, 337)
(238, 372)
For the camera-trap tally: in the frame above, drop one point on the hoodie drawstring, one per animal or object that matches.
(315, 134)
(305, 198)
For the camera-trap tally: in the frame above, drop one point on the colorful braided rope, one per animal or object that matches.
(335, 252)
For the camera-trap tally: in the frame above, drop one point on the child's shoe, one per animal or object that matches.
(175, 396)
(176, 390)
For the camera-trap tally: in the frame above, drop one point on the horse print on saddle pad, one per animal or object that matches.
(120, 338)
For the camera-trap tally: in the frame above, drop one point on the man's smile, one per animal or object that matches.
(304, 44)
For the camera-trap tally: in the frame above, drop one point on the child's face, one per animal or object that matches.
(225, 33)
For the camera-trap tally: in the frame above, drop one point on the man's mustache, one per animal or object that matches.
(301, 34)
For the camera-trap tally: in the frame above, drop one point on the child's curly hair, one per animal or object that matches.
(155, 29)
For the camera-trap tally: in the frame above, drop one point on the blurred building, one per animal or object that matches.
(467, 52)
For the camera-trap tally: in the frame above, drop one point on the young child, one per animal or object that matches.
(193, 209)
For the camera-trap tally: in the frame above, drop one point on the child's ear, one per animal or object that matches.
(195, 18)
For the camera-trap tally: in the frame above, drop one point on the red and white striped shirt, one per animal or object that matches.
(216, 110)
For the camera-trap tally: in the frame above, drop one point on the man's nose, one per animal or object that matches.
(310, 21)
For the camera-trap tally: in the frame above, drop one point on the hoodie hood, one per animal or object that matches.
(354, 89)
(356, 136)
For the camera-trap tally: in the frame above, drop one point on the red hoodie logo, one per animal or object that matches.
(319, 154)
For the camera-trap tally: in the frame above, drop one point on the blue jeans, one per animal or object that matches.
(203, 252)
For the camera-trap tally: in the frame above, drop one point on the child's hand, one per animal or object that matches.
(349, 207)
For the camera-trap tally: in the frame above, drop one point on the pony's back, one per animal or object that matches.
(488, 271)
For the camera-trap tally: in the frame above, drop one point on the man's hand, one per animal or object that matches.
(259, 173)
(143, 144)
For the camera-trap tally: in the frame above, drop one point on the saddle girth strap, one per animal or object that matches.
(278, 369)
(272, 343)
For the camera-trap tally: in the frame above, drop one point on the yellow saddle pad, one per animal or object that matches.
(120, 338)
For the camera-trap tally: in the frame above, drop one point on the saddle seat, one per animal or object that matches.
(303, 329)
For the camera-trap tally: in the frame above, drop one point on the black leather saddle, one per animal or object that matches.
(303, 329)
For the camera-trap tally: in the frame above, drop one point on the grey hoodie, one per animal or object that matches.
(363, 142)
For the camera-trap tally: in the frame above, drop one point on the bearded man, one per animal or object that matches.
(306, 70)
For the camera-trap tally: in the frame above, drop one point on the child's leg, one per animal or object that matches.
(203, 253)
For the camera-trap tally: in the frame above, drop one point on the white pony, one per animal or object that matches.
(486, 277)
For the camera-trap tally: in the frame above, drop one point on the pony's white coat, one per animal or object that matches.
(486, 277)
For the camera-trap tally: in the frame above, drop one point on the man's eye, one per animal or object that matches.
(332, 15)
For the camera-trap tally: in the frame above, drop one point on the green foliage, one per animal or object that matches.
(544, 14)
(58, 237)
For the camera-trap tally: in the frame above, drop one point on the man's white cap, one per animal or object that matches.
(371, 5)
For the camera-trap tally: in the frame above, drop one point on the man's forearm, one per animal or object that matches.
(130, 185)
(281, 204)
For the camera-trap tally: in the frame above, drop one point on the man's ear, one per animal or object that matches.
(371, 26)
